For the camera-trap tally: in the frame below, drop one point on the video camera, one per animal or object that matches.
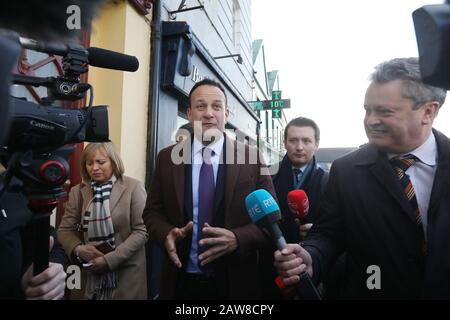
(33, 136)
(432, 26)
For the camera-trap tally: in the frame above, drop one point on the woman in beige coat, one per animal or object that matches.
(102, 228)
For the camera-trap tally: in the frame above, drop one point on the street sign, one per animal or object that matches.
(270, 104)
(276, 104)
(276, 113)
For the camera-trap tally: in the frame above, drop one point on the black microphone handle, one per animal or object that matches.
(306, 288)
(278, 236)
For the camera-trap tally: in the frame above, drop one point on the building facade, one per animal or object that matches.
(177, 43)
(264, 83)
(211, 39)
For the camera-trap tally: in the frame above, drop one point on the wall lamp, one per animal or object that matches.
(182, 8)
(238, 60)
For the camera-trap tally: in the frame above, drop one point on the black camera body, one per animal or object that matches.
(432, 26)
(32, 133)
(34, 137)
(42, 128)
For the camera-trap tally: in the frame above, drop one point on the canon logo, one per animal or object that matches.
(41, 125)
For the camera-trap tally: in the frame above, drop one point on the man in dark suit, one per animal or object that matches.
(196, 207)
(299, 170)
(388, 203)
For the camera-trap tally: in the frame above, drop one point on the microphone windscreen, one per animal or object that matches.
(260, 204)
(298, 203)
(112, 60)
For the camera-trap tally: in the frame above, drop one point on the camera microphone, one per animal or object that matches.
(97, 57)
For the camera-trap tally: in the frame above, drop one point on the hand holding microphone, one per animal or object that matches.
(291, 263)
(291, 260)
(299, 206)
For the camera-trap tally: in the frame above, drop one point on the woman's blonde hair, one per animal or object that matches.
(111, 152)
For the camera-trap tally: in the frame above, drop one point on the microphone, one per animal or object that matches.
(112, 60)
(298, 203)
(265, 213)
(97, 57)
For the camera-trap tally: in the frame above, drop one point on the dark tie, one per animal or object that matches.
(400, 166)
(297, 177)
(206, 190)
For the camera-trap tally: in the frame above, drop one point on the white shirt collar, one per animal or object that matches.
(217, 146)
(427, 152)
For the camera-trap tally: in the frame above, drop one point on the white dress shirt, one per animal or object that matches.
(197, 160)
(421, 174)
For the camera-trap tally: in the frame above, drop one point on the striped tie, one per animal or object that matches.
(400, 166)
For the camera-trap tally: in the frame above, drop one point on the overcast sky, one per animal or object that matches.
(325, 51)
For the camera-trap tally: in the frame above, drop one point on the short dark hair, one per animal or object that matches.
(303, 122)
(208, 82)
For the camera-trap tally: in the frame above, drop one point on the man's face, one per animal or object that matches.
(300, 144)
(390, 122)
(207, 106)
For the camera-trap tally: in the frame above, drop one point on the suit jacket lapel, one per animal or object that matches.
(283, 181)
(441, 183)
(220, 188)
(116, 193)
(188, 205)
(383, 172)
(178, 180)
(232, 169)
(184, 150)
(86, 194)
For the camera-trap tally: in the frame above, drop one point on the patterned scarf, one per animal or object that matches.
(98, 227)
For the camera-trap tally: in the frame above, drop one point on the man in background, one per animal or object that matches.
(299, 170)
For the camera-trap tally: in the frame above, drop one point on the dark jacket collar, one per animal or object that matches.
(369, 153)
(284, 177)
(380, 167)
